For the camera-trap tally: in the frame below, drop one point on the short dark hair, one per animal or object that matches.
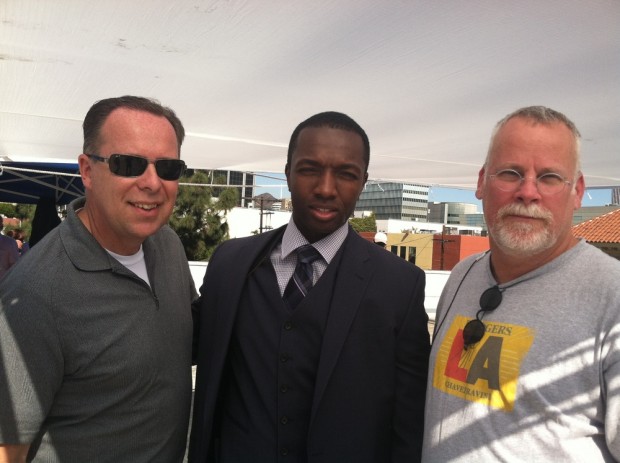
(99, 112)
(333, 120)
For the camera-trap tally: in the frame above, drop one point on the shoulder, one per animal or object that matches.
(49, 253)
(237, 244)
(38, 280)
(166, 241)
(166, 233)
(591, 267)
(593, 256)
(8, 243)
(250, 242)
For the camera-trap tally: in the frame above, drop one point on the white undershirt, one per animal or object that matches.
(135, 263)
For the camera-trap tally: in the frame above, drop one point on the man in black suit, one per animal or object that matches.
(341, 375)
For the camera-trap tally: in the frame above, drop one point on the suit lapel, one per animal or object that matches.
(246, 258)
(252, 254)
(352, 277)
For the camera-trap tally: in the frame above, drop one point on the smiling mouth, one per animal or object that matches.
(146, 207)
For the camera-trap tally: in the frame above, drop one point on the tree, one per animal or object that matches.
(364, 224)
(23, 212)
(7, 209)
(199, 218)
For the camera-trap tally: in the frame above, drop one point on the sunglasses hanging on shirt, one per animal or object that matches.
(474, 329)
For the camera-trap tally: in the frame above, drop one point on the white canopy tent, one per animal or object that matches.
(427, 80)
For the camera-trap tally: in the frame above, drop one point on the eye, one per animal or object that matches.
(551, 179)
(307, 170)
(509, 176)
(348, 175)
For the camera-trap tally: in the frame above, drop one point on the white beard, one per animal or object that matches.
(523, 238)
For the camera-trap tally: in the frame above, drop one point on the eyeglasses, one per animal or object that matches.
(510, 180)
(474, 329)
(130, 165)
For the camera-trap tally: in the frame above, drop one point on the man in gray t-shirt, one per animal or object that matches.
(95, 321)
(525, 363)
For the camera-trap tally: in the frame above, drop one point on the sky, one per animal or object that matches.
(275, 184)
(593, 197)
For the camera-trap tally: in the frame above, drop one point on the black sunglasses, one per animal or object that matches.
(130, 165)
(474, 329)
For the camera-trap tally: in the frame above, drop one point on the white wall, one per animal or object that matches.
(397, 226)
(243, 221)
(435, 281)
(198, 270)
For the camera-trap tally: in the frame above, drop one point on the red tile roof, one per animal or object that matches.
(368, 236)
(602, 229)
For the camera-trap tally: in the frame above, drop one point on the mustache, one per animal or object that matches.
(533, 211)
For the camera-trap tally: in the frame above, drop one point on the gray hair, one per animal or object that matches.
(545, 116)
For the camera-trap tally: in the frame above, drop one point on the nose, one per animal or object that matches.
(528, 190)
(149, 180)
(326, 186)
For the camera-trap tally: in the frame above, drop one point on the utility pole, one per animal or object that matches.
(442, 241)
(262, 213)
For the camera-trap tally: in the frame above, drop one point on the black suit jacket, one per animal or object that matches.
(371, 381)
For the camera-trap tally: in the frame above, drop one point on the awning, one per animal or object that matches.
(26, 182)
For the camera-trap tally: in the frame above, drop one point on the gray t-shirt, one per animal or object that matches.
(543, 384)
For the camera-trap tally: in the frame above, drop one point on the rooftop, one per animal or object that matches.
(602, 229)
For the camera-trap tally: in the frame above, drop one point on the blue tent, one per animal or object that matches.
(26, 182)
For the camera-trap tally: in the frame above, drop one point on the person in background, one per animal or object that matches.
(313, 341)
(9, 253)
(525, 364)
(95, 320)
(45, 219)
(380, 239)
(20, 239)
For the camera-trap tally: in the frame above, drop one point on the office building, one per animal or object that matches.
(245, 180)
(450, 213)
(390, 200)
(615, 196)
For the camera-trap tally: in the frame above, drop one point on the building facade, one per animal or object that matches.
(615, 196)
(449, 250)
(245, 180)
(450, 213)
(439, 248)
(391, 200)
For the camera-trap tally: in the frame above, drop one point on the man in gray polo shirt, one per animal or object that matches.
(95, 321)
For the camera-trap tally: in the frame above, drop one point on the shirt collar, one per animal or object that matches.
(327, 247)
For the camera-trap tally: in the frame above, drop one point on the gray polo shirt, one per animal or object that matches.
(96, 365)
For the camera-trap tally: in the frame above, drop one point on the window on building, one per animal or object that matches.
(412, 254)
